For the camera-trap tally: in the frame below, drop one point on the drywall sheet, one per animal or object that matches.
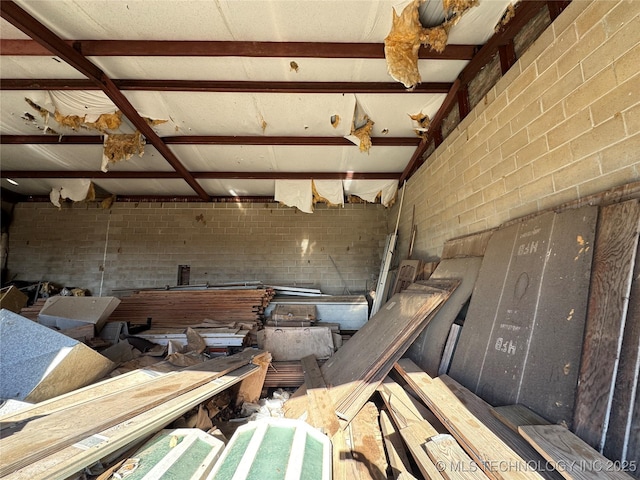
(37, 363)
(522, 338)
(426, 351)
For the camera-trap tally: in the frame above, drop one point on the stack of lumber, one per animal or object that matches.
(86, 425)
(171, 308)
(32, 311)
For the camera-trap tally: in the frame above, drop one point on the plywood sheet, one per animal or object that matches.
(295, 343)
(614, 257)
(521, 340)
(427, 350)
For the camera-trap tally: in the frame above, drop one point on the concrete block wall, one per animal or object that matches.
(562, 124)
(141, 245)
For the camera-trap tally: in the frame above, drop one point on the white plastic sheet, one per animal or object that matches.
(295, 193)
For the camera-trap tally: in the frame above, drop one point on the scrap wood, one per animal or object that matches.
(22, 443)
(366, 444)
(487, 449)
(398, 460)
(72, 459)
(571, 455)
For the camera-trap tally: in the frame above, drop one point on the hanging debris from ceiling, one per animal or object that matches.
(76, 190)
(361, 128)
(330, 192)
(407, 34)
(122, 146)
(508, 14)
(364, 134)
(423, 122)
(104, 122)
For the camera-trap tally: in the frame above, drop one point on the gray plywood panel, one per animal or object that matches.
(465, 367)
(427, 350)
(551, 373)
(506, 352)
(522, 337)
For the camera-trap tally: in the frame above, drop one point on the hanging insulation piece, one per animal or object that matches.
(364, 134)
(76, 190)
(106, 121)
(120, 147)
(402, 44)
(457, 7)
(508, 14)
(329, 192)
(44, 113)
(423, 122)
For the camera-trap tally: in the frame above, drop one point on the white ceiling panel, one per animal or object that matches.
(238, 188)
(125, 186)
(36, 67)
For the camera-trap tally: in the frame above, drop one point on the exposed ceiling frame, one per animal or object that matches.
(168, 48)
(210, 140)
(225, 86)
(209, 175)
(20, 19)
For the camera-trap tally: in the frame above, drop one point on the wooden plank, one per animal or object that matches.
(428, 348)
(250, 389)
(515, 416)
(482, 411)
(396, 452)
(407, 272)
(98, 445)
(321, 409)
(451, 460)
(614, 257)
(570, 455)
(473, 245)
(623, 437)
(91, 392)
(23, 443)
(367, 354)
(366, 447)
(449, 349)
(484, 447)
(415, 436)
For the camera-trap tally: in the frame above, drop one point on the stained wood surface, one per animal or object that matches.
(398, 459)
(321, 410)
(514, 416)
(72, 459)
(483, 446)
(23, 443)
(451, 460)
(623, 432)
(415, 437)
(613, 263)
(355, 370)
(428, 348)
(470, 246)
(250, 389)
(367, 448)
(483, 412)
(407, 272)
(570, 455)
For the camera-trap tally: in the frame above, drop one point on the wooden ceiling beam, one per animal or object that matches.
(209, 175)
(210, 140)
(225, 86)
(20, 19)
(171, 48)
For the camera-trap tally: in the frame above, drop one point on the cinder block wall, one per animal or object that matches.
(141, 245)
(562, 124)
